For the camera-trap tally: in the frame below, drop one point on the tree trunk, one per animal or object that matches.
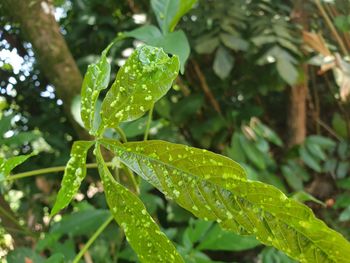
(298, 93)
(38, 23)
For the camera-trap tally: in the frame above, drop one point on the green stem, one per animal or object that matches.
(121, 134)
(45, 171)
(92, 239)
(148, 125)
(132, 179)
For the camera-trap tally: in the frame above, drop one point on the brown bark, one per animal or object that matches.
(38, 23)
(56, 62)
(298, 93)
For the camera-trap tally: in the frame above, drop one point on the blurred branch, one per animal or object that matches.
(331, 27)
(37, 22)
(205, 87)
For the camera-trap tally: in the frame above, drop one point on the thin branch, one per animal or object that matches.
(45, 171)
(92, 239)
(205, 87)
(148, 125)
(331, 27)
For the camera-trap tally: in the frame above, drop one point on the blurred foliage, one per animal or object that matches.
(232, 98)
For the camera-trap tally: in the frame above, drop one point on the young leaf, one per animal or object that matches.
(142, 233)
(146, 77)
(214, 188)
(7, 165)
(73, 175)
(95, 80)
(169, 12)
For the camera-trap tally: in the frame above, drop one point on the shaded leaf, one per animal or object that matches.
(146, 77)
(219, 239)
(233, 42)
(309, 160)
(142, 233)
(223, 63)
(213, 187)
(74, 174)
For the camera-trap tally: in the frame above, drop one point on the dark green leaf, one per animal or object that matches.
(142, 233)
(213, 187)
(146, 77)
(73, 175)
(219, 239)
(252, 152)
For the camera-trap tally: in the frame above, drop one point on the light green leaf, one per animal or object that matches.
(95, 80)
(74, 174)
(213, 187)
(142, 233)
(7, 165)
(149, 34)
(169, 12)
(146, 77)
(223, 63)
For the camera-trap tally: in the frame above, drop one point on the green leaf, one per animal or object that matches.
(309, 160)
(324, 142)
(149, 34)
(89, 221)
(142, 233)
(146, 77)
(345, 215)
(252, 152)
(219, 239)
(169, 12)
(213, 187)
(233, 42)
(95, 80)
(223, 63)
(292, 178)
(74, 174)
(176, 43)
(7, 165)
(23, 254)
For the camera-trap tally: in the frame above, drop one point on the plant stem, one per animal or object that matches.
(148, 125)
(331, 27)
(121, 134)
(132, 179)
(92, 239)
(45, 171)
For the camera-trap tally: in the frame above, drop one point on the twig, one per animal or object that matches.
(92, 239)
(148, 125)
(205, 87)
(45, 171)
(331, 27)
